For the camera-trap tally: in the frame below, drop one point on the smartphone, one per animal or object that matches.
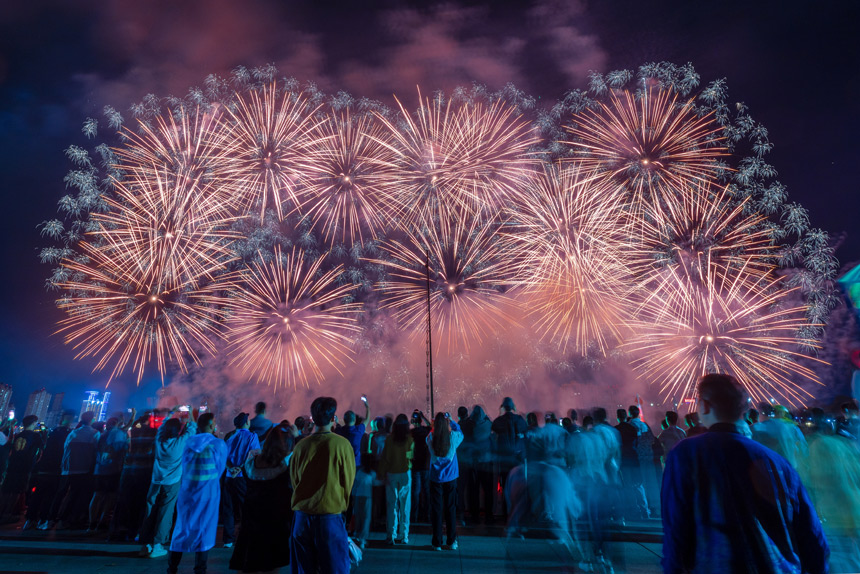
(203, 408)
(364, 398)
(11, 415)
(184, 408)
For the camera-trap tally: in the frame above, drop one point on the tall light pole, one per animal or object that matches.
(430, 402)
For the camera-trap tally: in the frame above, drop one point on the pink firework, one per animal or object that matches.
(570, 241)
(288, 320)
(649, 142)
(346, 177)
(469, 274)
(265, 136)
(468, 157)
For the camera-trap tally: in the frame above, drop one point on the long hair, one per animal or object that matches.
(274, 449)
(441, 435)
(400, 430)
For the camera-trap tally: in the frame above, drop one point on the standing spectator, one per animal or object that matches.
(110, 452)
(79, 460)
(476, 435)
(554, 441)
(605, 479)
(443, 441)
(694, 427)
(633, 492)
(646, 445)
(779, 433)
(267, 513)
(464, 463)
(203, 463)
(673, 433)
(394, 467)
(420, 468)
(833, 484)
(509, 431)
(239, 446)
(322, 470)
(45, 503)
(573, 416)
(260, 425)
(136, 478)
(353, 431)
(170, 444)
(23, 454)
(362, 495)
(732, 505)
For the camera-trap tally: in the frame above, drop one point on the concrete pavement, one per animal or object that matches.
(635, 551)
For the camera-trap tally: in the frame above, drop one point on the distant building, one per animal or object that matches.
(55, 413)
(102, 416)
(5, 400)
(96, 405)
(38, 404)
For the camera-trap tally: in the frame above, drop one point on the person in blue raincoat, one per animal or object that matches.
(203, 464)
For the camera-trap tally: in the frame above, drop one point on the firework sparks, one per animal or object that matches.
(288, 320)
(569, 240)
(266, 136)
(469, 279)
(346, 175)
(695, 232)
(463, 157)
(742, 325)
(648, 141)
(184, 149)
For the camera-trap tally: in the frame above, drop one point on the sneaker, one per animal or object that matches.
(402, 540)
(42, 525)
(389, 542)
(453, 546)
(437, 548)
(29, 525)
(145, 550)
(228, 545)
(158, 551)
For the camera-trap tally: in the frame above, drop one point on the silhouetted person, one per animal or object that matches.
(508, 436)
(260, 425)
(46, 500)
(633, 492)
(732, 505)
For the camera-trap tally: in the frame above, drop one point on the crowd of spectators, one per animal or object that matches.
(729, 482)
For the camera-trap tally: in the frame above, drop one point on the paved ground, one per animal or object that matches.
(635, 551)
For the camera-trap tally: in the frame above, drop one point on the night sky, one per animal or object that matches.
(793, 63)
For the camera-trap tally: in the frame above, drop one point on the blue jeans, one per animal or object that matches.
(319, 544)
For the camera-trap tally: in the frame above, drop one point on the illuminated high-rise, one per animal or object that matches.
(38, 404)
(5, 399)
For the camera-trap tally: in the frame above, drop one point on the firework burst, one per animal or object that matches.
(649, 142)
(266, 134)
(464, 157)
(694, 232)
(571, 253)
(743, 325)
(346, 177)
(469, 279)
(288, 320)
